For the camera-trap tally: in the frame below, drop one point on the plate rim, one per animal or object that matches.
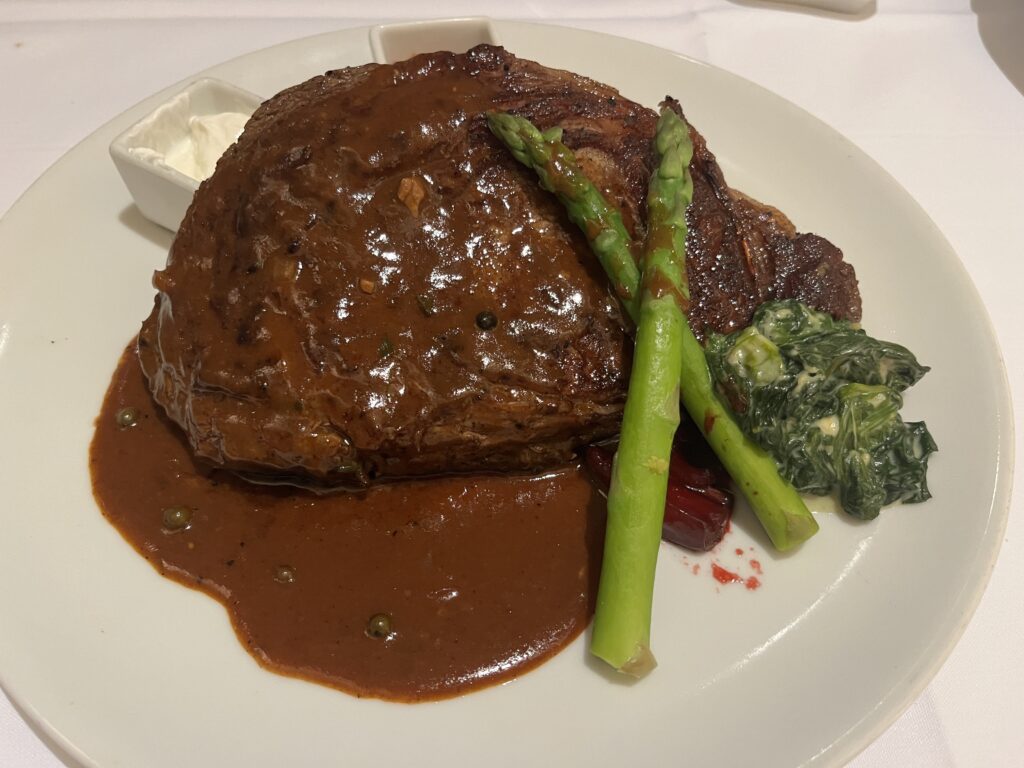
(865, 731)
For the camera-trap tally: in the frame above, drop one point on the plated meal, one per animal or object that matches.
(375, 408)
(379, 349)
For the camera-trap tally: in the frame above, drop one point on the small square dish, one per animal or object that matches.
(164, 156)
(396, 42)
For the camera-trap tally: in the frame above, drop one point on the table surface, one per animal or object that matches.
(932, 89)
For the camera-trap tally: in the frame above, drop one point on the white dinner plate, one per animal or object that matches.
(124, 668)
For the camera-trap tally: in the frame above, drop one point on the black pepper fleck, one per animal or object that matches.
(486, 321)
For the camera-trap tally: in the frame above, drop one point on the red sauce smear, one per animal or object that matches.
(725, 576)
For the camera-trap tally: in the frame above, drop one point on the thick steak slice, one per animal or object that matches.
(369, 285)
(740, 253)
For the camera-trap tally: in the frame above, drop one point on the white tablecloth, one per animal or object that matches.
(918, 84)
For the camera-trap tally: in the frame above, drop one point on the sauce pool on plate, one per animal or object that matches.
(408, 591)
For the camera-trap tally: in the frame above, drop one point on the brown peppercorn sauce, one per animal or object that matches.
(482, 578)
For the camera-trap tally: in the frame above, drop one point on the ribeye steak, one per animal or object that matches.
(369, 286)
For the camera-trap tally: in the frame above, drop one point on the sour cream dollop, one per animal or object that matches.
(208, 138)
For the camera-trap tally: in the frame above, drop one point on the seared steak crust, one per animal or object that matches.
(370, 286)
